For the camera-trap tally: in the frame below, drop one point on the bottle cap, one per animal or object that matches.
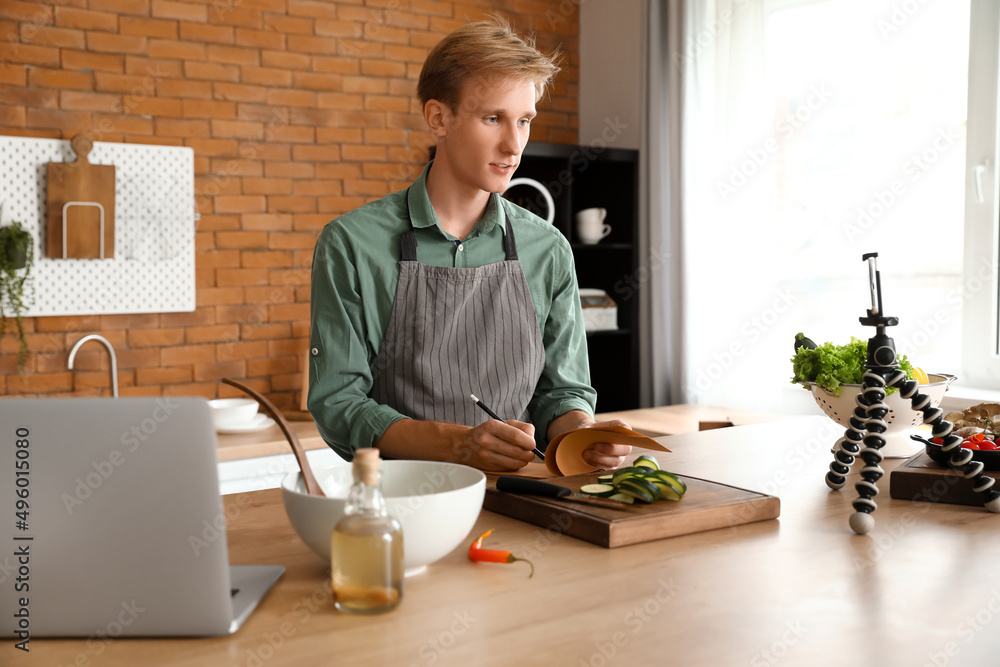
(366, 463)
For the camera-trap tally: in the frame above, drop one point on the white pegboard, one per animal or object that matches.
(153, 267)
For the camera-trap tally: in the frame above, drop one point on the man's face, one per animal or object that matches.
(487, 133)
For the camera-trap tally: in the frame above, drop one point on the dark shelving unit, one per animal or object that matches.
(580, 177)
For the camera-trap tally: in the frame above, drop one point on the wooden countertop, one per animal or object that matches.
(667, 420)
(923, 588)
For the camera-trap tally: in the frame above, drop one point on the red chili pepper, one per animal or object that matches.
(477, 553)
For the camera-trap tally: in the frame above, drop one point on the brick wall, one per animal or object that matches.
(297, 110)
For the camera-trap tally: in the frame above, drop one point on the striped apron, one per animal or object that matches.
(455, 331)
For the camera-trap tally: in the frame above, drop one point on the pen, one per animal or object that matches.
(494, 415)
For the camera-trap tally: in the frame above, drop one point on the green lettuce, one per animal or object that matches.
(830, 365)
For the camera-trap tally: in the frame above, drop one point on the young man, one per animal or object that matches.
(446, 289)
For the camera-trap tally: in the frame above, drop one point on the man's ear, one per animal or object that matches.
(436, 115)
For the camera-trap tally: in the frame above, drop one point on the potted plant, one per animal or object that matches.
(17, 255)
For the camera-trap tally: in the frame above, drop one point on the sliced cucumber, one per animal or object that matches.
(606, 479)
(640, 489)
(646, 462)
(624, 473)
(622, 498)
(603, 490)
(673, 480)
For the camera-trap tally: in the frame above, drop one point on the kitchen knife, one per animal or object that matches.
(534, 487)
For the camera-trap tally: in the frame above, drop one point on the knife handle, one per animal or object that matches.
(532, 487)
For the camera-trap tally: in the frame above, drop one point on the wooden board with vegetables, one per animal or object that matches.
(662, 505)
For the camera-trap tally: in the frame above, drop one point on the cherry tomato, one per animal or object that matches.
(937, 441)
(988, 445)
(970, 444)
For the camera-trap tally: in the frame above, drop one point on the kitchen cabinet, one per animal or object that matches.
(580, 177)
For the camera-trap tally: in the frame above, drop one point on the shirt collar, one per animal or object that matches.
(422, 213)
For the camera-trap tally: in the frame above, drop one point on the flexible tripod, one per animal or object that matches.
(867, 423)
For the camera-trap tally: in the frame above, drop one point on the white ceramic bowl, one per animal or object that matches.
(230, 412)
(901, 417)
(436, 503)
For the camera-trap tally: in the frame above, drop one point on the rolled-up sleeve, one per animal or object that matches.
(340, 375)
(565, 381)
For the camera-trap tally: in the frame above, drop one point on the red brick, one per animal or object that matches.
(236, 55)
(165, 376)
(123, 83)
(241, 350)
(213, 146)
(203, 389)
(266, 186)
(161, 48)
(311, 8)
(309, 222)
(264, 331)
(267, 76)
(350, 135)
(314, 45)
(290, 311)
(164, 9)
(73, 99)
(363, 153)
(70, 121)
(218, 370)
(71, 17)
(39, 384)
(29, 97)
(286, 60)
(335, 28)
(254, 313)
(239, 92)
(209, 109)
(211, 71)
(236, 128)
(335, 65)
(243, 18)
(155, 337)
(383, 68)
(15, 74)
(198, 317)
(216, 333)
(241, 239)
(201, 32)
(241, 277)
(12, 116)
(287, 277)
(279, 204)
(289, 24)
(163, 107)
(266, 221)
(238, 204)
(214, 259)
(140, 7)
(132, 321)
(171, 127)
(31, 12)
(260, 38)
(148, 27)
(187, 89)
(32, 33)
(295, 98)
(106, 42)
(265, 259)
(270, 366)
(270, 295)
(291, 240)
(30, 54)
(214, 296)
(290, 133)
(82, 60)
(187, 354)
(316, 188)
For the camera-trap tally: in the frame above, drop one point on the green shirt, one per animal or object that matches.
(354, 275)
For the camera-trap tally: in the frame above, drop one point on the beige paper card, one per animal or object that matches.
(564, 455)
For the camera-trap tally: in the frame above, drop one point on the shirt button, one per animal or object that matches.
(315, 351)
(461, 247)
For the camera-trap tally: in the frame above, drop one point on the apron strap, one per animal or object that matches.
(408, 241)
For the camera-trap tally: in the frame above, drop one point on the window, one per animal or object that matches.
(826, 130)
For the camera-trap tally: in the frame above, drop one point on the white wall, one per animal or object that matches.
(611, 44)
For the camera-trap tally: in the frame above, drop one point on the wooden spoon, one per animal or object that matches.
(312, 486)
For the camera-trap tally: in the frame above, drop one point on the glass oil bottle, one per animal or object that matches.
(367, 545)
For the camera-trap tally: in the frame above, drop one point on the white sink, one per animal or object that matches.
(266, 472)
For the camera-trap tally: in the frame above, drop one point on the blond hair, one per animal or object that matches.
(490, 49)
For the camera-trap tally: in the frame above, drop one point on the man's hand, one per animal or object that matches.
(604, 455)
(496, 445)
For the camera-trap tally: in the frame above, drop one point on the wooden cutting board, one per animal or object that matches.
(919, 478)
(80, 181)
(706, 506)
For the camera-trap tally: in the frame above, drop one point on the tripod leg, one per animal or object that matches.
(872, 394)
(959, 458)
(846, 448)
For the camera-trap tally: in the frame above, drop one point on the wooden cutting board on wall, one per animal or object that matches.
(707, 505)
(90, 184)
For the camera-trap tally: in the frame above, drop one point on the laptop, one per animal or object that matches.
(113, 524)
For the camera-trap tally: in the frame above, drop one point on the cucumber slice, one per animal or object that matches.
(673, 480)
(603, 490)
(640, 489)
(624, 473)
(606, 479)
(622, 498)
(646, 462)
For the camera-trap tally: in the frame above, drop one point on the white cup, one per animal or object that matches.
(590, 227)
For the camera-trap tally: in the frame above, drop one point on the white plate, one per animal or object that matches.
(258, 423)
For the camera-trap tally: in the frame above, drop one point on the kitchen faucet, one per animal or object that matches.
(111, 353)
